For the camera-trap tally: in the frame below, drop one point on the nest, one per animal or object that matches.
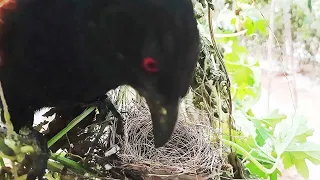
(190, 153)
(193, 152)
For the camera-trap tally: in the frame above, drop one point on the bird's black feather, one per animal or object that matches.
(58, 53)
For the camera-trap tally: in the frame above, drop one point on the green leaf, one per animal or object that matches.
(249, 25)
(4, 148)
(261, 25)
(310, 5)
(263, 133)
(274, 118)
(232, 57)
(302, 168)
(242, 122)
(256, 171)
(265, 126)
(233, 21)
(292, 144)
(242, 75)
(311, 150)
(1, 162)
(296, 159)
(285, 133)
(242, 92)
(73, 123)
(274, 176)
(67, 162)
(238, 49)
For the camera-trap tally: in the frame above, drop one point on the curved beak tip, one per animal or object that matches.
(159, 143)
(160, 138)
(164, 117)
(163, 125)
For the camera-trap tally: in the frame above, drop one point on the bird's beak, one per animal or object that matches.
(164, 118)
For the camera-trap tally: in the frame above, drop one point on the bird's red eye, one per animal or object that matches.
(150, 65)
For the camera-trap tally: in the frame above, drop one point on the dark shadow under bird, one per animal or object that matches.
(63, 53)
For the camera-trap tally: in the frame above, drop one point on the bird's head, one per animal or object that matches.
(160, 50)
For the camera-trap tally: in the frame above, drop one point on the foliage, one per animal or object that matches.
(262, 142)
(211, 86)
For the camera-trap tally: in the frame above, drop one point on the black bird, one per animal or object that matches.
(61, 53)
